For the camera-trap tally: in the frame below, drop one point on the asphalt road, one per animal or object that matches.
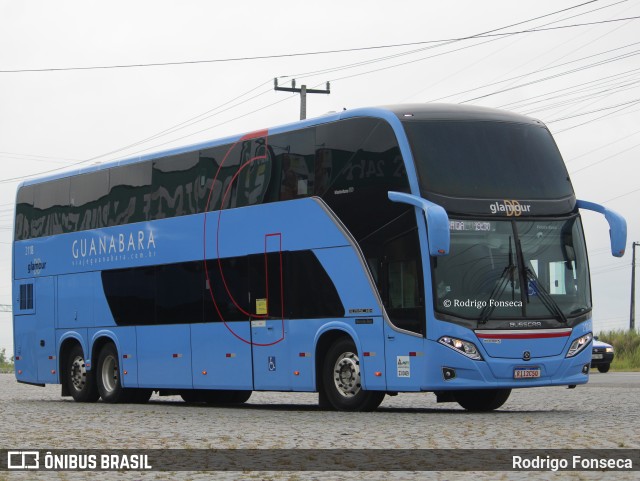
(601, 414)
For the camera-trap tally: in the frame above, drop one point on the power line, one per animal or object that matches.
(197, 119)
(550, 77)
(605, 159)
(625, 106)
(592, 84)
(326, 52)
(479, 36)
(445, 43)
(467, 66)
(569, 99)
(634, 101)
(176, 127)
(535, 71)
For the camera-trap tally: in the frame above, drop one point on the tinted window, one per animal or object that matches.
(51, 208)
(228, 284)
(266, 274)
(179, 293)
(357, 163)
(129, 193)
(488, 160)
(176, 184)
(24, 213)
(393, 256)
(294, 159)
(88, 199)
(131, 294)
(242, 173)
(310, 291)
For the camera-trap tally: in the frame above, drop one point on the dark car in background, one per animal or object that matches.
(602, 355)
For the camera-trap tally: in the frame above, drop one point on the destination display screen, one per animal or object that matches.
(471, 226)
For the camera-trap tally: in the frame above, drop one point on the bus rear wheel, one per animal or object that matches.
(482, 400)
(341, 379)
(81, 383)
(108, 377)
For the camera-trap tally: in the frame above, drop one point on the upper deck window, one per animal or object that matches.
(487, 160)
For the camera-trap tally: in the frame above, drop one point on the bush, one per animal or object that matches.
(626, 345)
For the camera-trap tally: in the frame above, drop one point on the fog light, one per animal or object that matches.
(585, 368)
(448, 373)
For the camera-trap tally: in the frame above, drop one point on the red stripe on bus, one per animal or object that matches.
(255, 135)
(515, 335)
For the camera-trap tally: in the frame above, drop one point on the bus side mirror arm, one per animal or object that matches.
(437, 221)
(617, 226)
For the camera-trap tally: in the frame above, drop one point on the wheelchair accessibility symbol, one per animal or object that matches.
(272, 363)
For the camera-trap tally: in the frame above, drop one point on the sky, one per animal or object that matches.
(190, 71)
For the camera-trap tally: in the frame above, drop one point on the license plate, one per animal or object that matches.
(597, 356)
(528, 373)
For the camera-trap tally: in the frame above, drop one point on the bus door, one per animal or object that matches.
(271, 363)
(403, 297)
(35, 331)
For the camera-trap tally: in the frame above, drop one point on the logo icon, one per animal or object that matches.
(526, 355)
(510, 208)
(23, 460)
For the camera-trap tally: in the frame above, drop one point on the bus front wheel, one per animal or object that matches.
(81, 383)
(341, 379)
(482, 400)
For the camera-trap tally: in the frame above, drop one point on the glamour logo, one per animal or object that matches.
(512, 208)
(113, 244)
(36, 267)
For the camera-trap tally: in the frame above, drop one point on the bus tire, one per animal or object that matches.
(80, 383)
(482, 400)
(108, 376)
(341, 379)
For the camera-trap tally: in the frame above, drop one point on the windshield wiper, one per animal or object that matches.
(546, 298)
(505, 278)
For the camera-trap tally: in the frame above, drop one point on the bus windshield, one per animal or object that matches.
(487, 159)
(490, 261)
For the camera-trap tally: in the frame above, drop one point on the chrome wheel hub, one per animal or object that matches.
(78, 373)
(347, 374)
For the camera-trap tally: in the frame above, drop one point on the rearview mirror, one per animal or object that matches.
(617, 226)
(437, 221)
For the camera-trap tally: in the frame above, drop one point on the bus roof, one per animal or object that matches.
(404, 112)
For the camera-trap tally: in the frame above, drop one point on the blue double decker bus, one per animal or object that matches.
(432, 248)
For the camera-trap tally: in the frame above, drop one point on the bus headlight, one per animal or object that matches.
(463, 347)
(579, 344)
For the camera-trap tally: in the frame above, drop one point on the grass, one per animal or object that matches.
(626, 346)
(6, 365)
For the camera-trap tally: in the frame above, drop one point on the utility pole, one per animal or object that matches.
(303, 91)
(632, 314)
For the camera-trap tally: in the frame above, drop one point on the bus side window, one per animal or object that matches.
(26, 297)
(24, 213)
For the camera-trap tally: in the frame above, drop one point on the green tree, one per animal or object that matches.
(3, 356)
